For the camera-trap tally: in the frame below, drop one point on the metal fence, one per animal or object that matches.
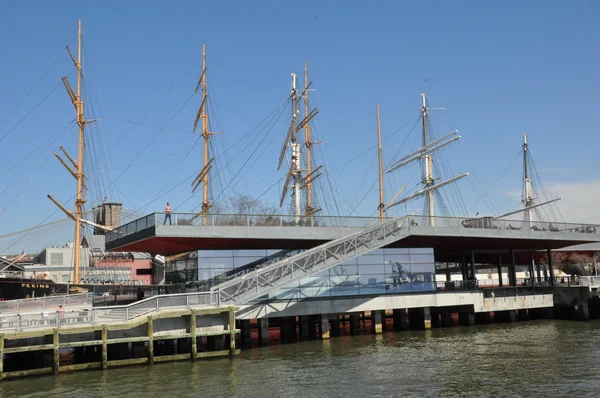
(278, 220)
(106, 314)
(45, 302)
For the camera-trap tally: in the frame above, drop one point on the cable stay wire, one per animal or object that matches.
(32, 110)
(35, 85)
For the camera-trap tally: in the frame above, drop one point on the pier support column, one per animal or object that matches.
(512, 275)
(416, 318)
(522, 315)
(376, 322)
(466, 318)
(313, 321)
(473, 275)
(288, 329)
(324, 326)
(550, 268)
(483, 318)
(505, 316)
(446, 318)
(304, 326)
(355, 323)
(245, 332)
(400, 321)
(335, 327)
(500, 270)
(463, 267)
(1, 355)
(263, 331)
(583, 312)
(435, 319)
(541, 313)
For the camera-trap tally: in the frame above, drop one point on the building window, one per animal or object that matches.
(56, 259)
(64, 278)
(143, 271)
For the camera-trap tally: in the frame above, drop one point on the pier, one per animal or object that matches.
(291, 293)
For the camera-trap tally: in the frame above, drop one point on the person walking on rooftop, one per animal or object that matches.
(167, 214)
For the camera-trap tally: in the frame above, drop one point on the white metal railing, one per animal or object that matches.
(277, 220)
(40, 303)
(91, 316)
(260, 282)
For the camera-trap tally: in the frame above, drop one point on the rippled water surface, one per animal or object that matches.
(536, 359)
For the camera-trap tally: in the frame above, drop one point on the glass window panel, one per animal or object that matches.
(373, 288)
(250, 253)
(215, 253)
(395, 251)
(344, 270)
(371, 279)
(225, 263)
(421, 258)
(344, 290)
(350, 262)
(396, 258)
(371, 269)
(239, 261)
(370, 259)
(422, 267)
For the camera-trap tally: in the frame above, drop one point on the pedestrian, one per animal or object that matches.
(61, 313)
(167, 214)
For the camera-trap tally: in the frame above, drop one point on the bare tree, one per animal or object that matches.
(570, 263)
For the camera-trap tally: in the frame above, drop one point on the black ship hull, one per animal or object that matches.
(20, 288)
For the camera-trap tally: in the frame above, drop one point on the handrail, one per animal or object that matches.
(96, 315)
(45, 302)
(156, 220)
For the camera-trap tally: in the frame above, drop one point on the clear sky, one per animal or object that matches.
(499, 69)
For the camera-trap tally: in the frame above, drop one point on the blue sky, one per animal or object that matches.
(499, 69)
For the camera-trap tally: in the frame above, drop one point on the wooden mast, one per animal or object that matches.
(77, 172)
(206, 135)
(309, 208)
(202, 177)
(428, 180)
(79, 201)
(380, 156)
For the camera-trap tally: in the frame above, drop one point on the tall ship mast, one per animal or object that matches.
(381, 207)
(77, 172)
(202, 177)
(299, 177)
(424, 154)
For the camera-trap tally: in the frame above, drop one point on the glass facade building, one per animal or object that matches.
(382, 271)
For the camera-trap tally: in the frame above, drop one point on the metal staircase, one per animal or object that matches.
(257, 283)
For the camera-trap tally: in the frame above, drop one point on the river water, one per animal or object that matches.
(535, 359)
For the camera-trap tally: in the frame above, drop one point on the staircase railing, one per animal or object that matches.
(260, 282)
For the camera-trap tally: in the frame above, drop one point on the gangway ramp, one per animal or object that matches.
(262, 281)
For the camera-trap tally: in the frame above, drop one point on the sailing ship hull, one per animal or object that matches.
(19, 288)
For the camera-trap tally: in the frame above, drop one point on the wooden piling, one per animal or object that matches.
(104, 347)
(150, 342)
(231, 331)
(194, 337)
(1, 355)
(56, 358)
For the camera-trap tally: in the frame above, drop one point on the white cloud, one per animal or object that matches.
(580, 200)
